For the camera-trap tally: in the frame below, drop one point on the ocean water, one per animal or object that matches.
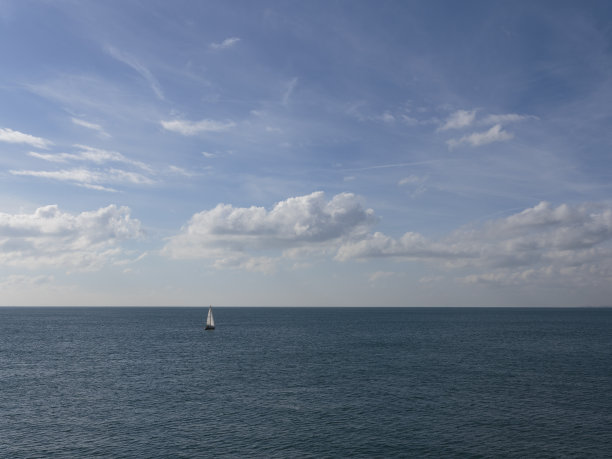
(305, 382)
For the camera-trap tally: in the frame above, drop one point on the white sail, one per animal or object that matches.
(210, 321)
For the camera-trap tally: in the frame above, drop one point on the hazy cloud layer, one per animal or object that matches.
(49, 237)
(565, 243)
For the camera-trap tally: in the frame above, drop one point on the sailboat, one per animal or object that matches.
(210, 321)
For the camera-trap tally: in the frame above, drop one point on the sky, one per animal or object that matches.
(319, 153)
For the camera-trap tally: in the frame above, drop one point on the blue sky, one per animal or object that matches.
(305, 153)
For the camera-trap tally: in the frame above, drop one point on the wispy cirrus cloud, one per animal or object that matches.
(91, 154)
(97, 176)
(96, 180)
(11, 136)
(291, 85)
(227, 43)
(96, 127)
(186, 127)
(136, 65)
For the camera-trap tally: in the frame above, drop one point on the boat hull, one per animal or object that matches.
(208, 327)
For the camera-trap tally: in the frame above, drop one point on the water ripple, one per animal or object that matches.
(305, 383)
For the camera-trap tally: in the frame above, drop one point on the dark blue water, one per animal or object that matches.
(308, 382)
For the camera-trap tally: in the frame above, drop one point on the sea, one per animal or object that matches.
(305, 382)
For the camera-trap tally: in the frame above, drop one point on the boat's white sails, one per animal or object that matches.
(210, 320)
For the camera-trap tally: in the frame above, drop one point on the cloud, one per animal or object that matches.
(564, 244)
(227, 43)
(266, 265)
(186, 127)
(505, 119)
(49, 237)
(19, 281)
(387, 117)
(459, 119)
(138, 67)
(230, 233)
(393, 166)
(412, 180)
(476, 139)
(95, 179)
(176, 170)
(96, 127)
(89, 178)
(410, 246)
(415, 183)
(10, 136)
(410, 120)
(380, 275)
(289, 90)
(99, 156)
(91, 154)
(92, 94)
(51, 157)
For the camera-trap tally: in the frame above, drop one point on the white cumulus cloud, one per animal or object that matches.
(232, 233)
(49, 237)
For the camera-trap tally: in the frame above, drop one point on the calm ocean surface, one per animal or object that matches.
(305, 382)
